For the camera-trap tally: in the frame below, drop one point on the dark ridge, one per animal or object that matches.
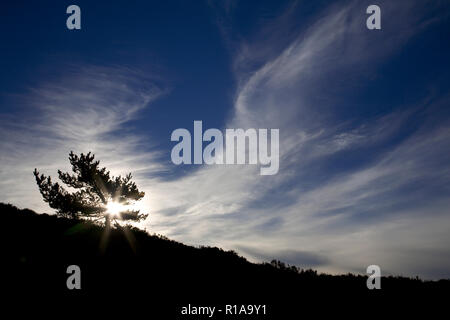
(131, 264)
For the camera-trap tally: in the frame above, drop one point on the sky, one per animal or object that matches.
(363, 117)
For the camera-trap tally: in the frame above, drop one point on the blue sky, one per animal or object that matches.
(363, 117)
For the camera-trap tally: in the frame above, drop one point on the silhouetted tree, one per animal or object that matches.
(98, 195)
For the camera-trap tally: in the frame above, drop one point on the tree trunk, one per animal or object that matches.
(107, 222)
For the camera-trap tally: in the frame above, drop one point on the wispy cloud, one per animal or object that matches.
(84, 110)
(346, 214)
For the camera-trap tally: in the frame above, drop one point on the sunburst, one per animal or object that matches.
(114, 208)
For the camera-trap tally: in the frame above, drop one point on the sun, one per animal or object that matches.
(114, 208)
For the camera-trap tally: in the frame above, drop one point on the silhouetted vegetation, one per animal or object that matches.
(96, 190)
(125, 262)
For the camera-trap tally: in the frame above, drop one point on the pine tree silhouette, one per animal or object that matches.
(97, 194)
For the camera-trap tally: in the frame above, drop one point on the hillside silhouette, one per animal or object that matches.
(130, 263)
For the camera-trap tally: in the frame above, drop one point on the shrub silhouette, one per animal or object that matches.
(96, 191)
(157, 275)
